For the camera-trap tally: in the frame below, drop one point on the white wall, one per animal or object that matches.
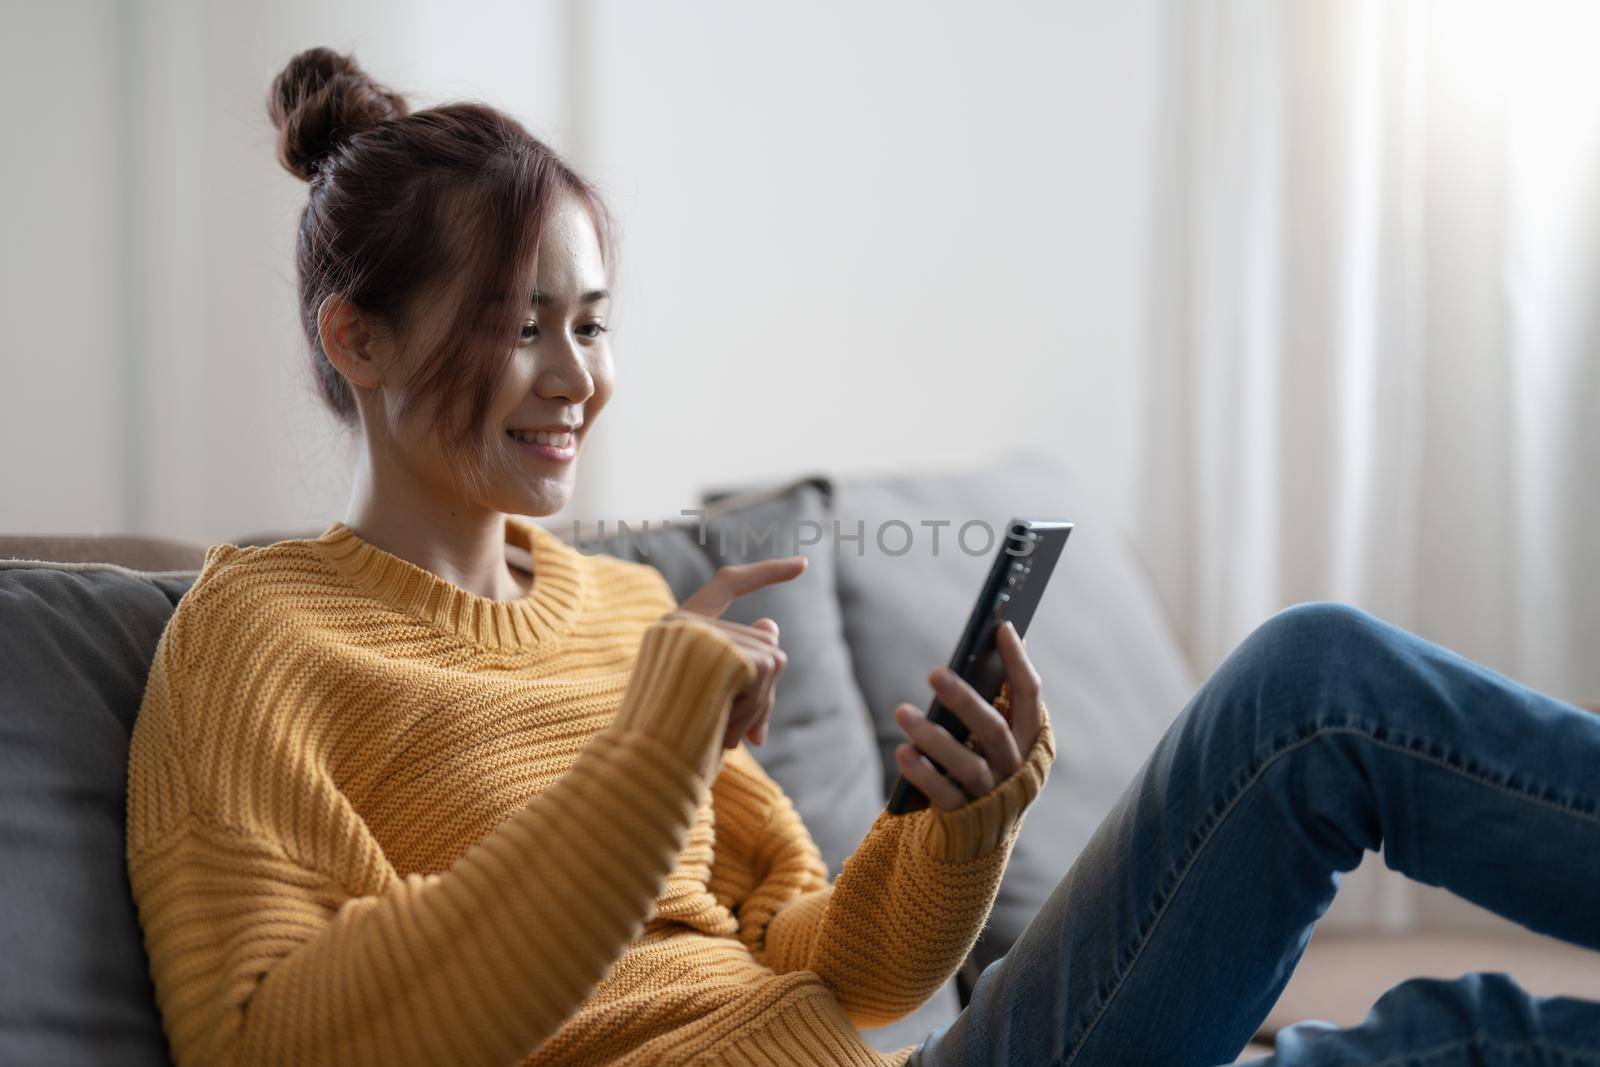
(62, 292)
(244, 445)
(857, 236)
(853, 236)
(873, 235)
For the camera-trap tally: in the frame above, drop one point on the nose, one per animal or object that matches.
(563, 373)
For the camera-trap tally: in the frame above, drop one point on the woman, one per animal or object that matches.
(434, 787)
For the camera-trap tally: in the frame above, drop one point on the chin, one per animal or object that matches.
(545, 498)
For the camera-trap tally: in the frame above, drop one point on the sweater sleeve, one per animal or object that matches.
(908, 904)
(268, 946)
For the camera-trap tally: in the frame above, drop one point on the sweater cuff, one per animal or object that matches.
(981, 825)
(684, 680)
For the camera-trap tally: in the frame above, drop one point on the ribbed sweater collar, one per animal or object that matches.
(547, 612)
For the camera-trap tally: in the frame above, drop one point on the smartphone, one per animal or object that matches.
(1016, 581)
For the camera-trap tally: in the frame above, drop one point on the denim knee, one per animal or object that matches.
(1322, 628)
(1303, 667)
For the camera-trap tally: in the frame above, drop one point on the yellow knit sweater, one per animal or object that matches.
(376, 818)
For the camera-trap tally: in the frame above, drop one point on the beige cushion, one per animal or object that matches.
(127, 550)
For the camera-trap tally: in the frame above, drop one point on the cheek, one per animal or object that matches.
(516, 385)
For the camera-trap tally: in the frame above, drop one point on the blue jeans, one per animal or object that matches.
(1325, 734)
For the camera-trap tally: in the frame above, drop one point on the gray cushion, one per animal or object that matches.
(1114, 674)
(819, 746)
(76, 642)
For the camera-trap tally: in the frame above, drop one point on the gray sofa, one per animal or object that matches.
(80, 616)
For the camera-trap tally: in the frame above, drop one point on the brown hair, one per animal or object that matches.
(399, 200)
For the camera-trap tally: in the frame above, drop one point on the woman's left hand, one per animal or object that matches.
(1000, 739)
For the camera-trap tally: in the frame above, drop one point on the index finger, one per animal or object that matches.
(1022, 680)
(734, 580)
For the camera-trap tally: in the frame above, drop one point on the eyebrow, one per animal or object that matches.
(591, 297)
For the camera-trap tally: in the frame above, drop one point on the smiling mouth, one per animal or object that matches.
(561, 440)
(546, 446)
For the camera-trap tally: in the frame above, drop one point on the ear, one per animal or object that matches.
(349, 341)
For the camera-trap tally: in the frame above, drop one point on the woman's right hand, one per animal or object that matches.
(752, 706)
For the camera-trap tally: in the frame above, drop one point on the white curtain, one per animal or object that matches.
(1376, 345)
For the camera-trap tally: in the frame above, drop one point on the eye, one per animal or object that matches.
(529, 333)
(595, 327)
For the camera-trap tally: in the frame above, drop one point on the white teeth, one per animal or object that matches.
(543, 437)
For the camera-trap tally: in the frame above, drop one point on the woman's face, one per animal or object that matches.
(562, 374)
(554, 388)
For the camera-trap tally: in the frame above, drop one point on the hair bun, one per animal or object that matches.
(320, 99)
